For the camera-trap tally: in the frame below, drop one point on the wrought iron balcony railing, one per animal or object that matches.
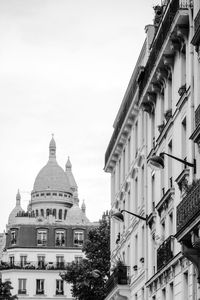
(34, 265)
(119, 276)
(189, 208)
(173, 7)
(165, 252)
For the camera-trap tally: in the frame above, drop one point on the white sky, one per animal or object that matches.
(64, 68)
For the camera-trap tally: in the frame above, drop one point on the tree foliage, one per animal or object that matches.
(5, 291)
(88, 277)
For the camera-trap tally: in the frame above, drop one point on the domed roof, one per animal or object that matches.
(51, 176)
(16, 210)
(76, 216)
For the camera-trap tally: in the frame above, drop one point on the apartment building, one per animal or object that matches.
(153, 159)
(41, 241)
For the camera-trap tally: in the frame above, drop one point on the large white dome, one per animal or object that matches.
(51, 176)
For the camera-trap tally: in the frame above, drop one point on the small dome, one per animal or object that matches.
(16, 210)
(76, 216)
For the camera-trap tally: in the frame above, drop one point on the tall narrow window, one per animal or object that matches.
(124, 165)
(21, 286)
(23, 260)
(119, 174)
(129, 152)
(59, 287)
(39, 286)
(41, 262)
(13, 237)
(171, 291)
(42, 237)
(142, 185)
(60, 262)
(60, 238)
(171, 224)
(183, 138)
(136, 194)
(12, 260)
(164, 294)
(136, 252)
(153, 192)
(78, 238)
(170, 165)
(185, 285)
(136, 138)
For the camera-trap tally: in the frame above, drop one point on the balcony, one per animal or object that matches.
(189, 208)
(165, 25)
(196, 134)
(165, 252)
(118, 277)
(196, 38)
(33, 265)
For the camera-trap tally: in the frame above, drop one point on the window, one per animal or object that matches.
(42, 237)
(41, 262)
(78, 238)
(60, 214)
(21, 286)
(59, 287)
(13, 237)
(12, 260)
(185, 285)
(39, 286)
(23, 260)
(60, 262)
(60, 238)
(78, 259)
(184, 138)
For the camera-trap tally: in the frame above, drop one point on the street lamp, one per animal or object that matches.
(157, 162)
(119, 216)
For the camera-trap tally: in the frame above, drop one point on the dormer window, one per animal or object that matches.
(42, 237)
(60, 238)
(13, 237)
(78, 238)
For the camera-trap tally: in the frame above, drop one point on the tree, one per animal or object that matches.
(5, 290)
(88, 277)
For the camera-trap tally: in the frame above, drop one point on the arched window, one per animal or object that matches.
(65, 214)
(54, 212)
(42, 212)
(60, 214)
(47, 212)
(36, 212)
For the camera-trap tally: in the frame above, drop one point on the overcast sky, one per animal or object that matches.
(64, 68)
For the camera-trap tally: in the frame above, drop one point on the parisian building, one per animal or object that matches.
(41, 241)
(153, 158)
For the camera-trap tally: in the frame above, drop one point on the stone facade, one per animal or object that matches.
(159, 115)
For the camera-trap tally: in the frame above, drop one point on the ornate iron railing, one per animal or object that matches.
(157, 44)
(33, 265)
(165, 252)
(197, 116)
(189, 208)
(119, 276)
